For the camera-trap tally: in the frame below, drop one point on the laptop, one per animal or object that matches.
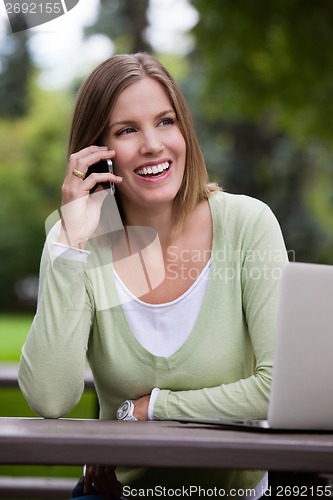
(301, 393)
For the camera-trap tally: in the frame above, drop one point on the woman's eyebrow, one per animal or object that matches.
(121, 123)
(166, 112)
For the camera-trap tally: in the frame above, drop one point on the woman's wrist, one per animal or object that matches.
(70, 242)
(141, 407)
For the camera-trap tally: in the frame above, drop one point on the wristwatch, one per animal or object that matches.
(125, 410)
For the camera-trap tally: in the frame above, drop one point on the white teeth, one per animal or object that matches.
(154, 169)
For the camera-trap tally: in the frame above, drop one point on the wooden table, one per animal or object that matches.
(160, 444)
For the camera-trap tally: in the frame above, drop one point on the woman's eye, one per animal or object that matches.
(126, 131)
(167, 121)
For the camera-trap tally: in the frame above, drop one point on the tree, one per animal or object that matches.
(33, 165)
(262, 85)
(15, 71)
(272, 60)
(124, 22)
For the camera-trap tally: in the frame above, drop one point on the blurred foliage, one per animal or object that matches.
(33, 152)
(270, 60)
(125, 22)
(262, 85)
(13, 332)
(15, 71)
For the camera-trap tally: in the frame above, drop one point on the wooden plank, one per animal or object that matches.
(8, 375)
(160, 444)
(35, 487)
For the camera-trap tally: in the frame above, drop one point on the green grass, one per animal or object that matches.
(14, 329)
(13, 332)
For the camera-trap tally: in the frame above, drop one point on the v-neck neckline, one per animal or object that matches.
(199, 326)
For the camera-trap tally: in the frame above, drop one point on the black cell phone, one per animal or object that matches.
(101, 167)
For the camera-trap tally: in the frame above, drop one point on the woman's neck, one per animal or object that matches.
(158, 218)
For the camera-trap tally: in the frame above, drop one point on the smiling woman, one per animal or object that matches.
(109, 94)
(150, 151)
(197, 339)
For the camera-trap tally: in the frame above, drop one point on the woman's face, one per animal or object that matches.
(150, 148)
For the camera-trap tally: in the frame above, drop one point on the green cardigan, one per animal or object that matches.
(223, 369)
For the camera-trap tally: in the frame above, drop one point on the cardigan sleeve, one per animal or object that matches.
(53, 358)
(263, 257)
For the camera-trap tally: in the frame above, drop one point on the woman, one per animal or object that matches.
(196, 343)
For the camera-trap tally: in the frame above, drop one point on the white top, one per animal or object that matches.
(163, 328)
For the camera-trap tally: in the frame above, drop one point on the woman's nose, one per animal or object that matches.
(151, 144)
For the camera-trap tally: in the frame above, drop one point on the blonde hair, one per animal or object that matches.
(96, 99)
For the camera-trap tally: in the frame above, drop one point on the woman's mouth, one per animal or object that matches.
(153, 170)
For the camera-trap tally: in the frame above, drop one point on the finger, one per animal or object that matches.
(86, 158)
(88, 151)
(75, 158)
(72, 191)
(80, 162)
(116, 487)
(100, 481)
(97, 178)
(106, 481)
(89, 478)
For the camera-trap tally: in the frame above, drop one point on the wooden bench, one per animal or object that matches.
(34, 487)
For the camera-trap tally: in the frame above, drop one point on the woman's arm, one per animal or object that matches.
(53, 359)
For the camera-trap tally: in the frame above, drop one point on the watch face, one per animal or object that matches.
(123, 410)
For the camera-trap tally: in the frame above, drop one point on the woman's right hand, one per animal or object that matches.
(81, 210)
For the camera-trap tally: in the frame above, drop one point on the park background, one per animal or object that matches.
(259, 81)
